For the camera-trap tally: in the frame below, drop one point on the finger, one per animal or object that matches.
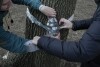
(51, 10)
(58, 36)
(53, 15)
(55, 12)
(62, 27)
(35, 37)
(61, 20)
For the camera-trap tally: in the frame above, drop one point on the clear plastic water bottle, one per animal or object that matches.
(54, 26)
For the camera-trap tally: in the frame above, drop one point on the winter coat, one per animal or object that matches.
(10, 41)
(86, 50)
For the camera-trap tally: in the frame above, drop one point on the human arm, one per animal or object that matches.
(76, 24)
(14, 43)
(81, 24)
(86, 49)
(36, 4)
(32, 3)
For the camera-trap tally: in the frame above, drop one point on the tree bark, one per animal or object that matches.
(64, 8)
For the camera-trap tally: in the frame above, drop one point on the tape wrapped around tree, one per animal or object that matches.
(65, 9)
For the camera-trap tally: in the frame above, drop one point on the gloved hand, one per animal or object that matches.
(65, 23)
(31, 47)
(48, 11)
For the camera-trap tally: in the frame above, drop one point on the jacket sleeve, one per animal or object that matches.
(31, 3)
(86, 49)
(81, 24)
(12, 42)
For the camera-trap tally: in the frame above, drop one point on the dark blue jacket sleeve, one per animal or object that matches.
(81, 24)
(85, 24)
(86, 49)
(12, 42)
(32, 3)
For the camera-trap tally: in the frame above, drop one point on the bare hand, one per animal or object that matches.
(66, 23)
(35, 40)
(57, 36)
(48, 11)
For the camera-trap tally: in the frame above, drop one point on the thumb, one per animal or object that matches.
(61, 21)
(62, 27)
(58, 36)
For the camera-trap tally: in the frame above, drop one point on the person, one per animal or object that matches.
(86, 50)
(11, 41)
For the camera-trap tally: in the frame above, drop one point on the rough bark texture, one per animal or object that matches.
(84, 9)
(64, 8)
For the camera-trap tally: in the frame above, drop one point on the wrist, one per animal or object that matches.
(30, 46)
(35, 40)
(71, 25)
(41, 7)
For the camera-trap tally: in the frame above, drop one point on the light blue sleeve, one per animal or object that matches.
(15, 44)
(12, 43)
(31, 3)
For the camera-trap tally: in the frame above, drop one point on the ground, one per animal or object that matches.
(84, 9)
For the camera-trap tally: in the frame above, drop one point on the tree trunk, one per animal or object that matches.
(64, 8)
